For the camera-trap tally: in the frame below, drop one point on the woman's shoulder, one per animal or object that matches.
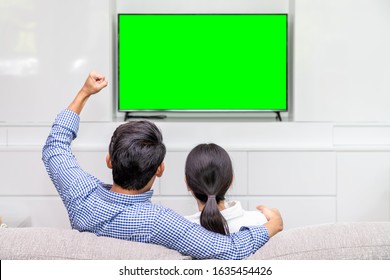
(237, 217)
(195, 218)
(256, 214)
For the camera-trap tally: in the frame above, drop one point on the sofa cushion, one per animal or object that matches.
(52, 243)
(352, 241)
(344, 241)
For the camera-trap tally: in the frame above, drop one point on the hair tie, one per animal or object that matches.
(211, 196)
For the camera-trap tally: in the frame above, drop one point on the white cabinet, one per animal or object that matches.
(334, 178)
(363, 181)
(292, 173)
(300, 210)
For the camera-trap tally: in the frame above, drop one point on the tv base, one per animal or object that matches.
(128, 115)
(205, 115)
(278, 116)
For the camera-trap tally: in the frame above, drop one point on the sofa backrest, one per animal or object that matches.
(52, 243)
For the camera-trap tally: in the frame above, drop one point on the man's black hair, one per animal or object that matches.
(136, 150)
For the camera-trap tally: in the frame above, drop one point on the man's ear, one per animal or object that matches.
(108, 161)
(160, 170)
(185, 181)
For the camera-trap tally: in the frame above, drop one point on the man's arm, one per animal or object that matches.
(176, 232)
(60, 163)
(94, 83)
(275, 221)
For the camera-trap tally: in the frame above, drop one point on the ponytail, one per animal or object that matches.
(209, 174)
(211, 218)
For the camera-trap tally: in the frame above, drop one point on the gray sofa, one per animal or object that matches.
(359, 241)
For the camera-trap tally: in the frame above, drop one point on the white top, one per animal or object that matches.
(235, 216)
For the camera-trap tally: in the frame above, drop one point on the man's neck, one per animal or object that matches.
(118, 189)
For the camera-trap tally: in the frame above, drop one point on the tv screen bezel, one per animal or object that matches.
(202, 110)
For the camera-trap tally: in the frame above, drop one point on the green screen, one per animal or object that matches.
(205, 62)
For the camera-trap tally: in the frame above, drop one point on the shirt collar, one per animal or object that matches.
(233, 209)
(109, 196)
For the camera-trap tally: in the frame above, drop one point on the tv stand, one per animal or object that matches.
(129, 116)
(278, 116)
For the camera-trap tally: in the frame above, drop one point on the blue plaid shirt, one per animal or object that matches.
(94, 208)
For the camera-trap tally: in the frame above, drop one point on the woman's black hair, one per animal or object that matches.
(209, 174)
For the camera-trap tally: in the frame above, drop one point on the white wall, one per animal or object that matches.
(202, 6)
(46, 50)
(339, 57)
(314, 169)
(342, 60)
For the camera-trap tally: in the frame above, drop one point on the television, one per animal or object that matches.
(202, 62)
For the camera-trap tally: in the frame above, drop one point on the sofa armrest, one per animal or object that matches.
(344, 241)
